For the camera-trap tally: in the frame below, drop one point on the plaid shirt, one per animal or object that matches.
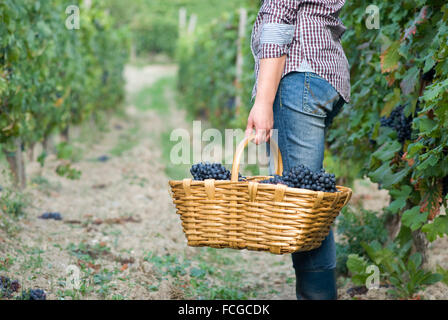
(308, 32)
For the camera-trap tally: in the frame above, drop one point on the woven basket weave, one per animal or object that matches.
(255, 216)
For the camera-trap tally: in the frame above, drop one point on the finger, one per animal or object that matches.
(248, 132)
(259, 138)
(250, 126)
(257, 133)
(267, 135)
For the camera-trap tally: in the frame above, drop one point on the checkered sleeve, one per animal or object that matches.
(277, 31)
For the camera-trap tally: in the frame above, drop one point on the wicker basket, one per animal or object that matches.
(255, 216)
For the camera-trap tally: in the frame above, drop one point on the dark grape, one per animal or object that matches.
(398, 121)
(202, 171)
(51, 215)
(429, 76)
(102, 158)
(205, 170)
(445, 186)
(34, 294)
(302, 177)
(8, 287)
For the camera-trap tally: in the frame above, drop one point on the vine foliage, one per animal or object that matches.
(401, 65)
(51, 76)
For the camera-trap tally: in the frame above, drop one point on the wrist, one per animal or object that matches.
(264, 104)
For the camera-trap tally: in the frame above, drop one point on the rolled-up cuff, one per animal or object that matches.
(277, 33)
(271, 50)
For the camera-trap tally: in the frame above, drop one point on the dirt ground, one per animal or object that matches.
(118, 220)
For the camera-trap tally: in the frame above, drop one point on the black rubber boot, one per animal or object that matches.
(316, 285)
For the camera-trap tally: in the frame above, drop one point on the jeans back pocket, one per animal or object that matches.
(319, 96)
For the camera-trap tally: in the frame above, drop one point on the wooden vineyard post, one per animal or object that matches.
(185, 29)
(192, 24)
(133, 54)
(239, 59)
(182, 21)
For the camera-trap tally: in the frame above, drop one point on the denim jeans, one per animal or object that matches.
(304, 108)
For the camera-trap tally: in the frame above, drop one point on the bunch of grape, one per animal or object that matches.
(445, 186)
(205, 170)
(51, 215)
(429, 76)
(202, 171)
(276, 179)
(398, 121)
(304, 178)
(34, 294)
(8, 287)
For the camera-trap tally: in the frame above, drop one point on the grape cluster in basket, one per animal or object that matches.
(297, 177)
(304, 178)
(205, 170)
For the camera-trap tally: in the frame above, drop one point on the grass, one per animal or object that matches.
(153, 97)
(13, 203)
(100, 281)
(126, 141)
(228, 279)
(86, 252)
(115, 235)
(12, 207)
(9, 226)
(203, 276)
(134, 179)
(41, 181)
(69, 151)
(44, 185)
(142, 60)
(6, 262)
(103, 280)
(173, 171)
(444, 273)
(33, 261)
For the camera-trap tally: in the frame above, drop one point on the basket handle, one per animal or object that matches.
(239, 152)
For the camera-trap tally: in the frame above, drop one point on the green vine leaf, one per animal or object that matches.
(439, 227)
(413, 219)
(400, 196)
(387, 151)
(408, 83)
(387, 177)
